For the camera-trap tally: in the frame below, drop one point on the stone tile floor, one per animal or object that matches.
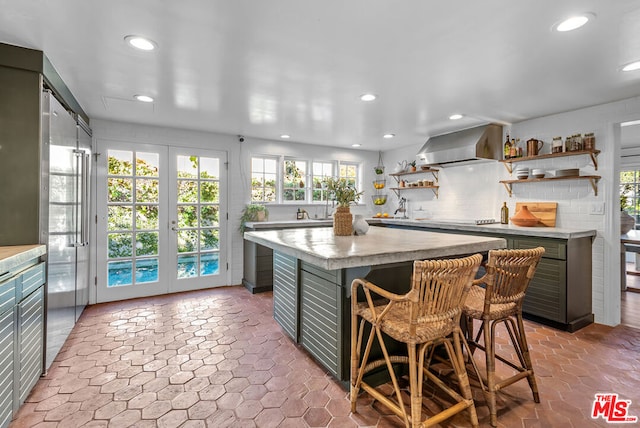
(216, 358)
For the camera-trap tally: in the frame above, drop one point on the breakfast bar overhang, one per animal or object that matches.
(313, 270)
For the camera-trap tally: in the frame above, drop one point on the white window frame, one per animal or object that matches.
(277, 178)
(308, 177)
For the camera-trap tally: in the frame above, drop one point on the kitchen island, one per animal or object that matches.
(313, 270)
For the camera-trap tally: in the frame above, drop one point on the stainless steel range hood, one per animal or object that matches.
(472, 145)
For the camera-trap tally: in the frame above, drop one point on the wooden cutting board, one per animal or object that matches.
(545, 211)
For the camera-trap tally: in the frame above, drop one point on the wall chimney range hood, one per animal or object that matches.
(480, 144)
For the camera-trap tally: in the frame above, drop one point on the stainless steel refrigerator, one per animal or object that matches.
(45, 149)
(65, 219)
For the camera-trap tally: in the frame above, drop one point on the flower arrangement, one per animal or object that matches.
(343, 192)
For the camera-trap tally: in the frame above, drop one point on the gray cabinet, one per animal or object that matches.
(258, 274)
(321, 321)
(21, 335)
(7, 345)
(285, 293)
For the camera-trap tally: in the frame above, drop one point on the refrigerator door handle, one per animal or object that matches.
(84, 207)
(83, 172)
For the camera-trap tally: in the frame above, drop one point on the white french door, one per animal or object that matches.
(159, 224)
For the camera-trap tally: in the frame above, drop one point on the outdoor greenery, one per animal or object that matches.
(123, 212)
(629, 201)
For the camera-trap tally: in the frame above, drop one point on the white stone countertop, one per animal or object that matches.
(282, 224)
(543, 232)
(15, 255)
(381, 245)
(506, 229)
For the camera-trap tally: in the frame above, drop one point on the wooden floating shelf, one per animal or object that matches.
(419, 171)
(397, 190)
(593, 179)
(592, 153)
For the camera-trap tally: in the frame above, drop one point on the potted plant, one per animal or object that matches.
(412, 166)
(253, 212)
(344, 194)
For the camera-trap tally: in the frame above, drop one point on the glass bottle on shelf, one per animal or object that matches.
(507, 148)
(504, 214)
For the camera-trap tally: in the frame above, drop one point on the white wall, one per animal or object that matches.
(475, 191)
(465, 191)
(239, 156)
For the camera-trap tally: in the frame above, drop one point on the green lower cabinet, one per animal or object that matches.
(547, 296)
(285, 293)
(321, 320)
(7, 351)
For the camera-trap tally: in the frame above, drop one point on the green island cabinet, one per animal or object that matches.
(560, 293)
(21, 333)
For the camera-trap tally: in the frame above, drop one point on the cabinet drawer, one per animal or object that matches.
(30, 279)
(553, 249)
(30, 342)
(7, 295)
(7, 343)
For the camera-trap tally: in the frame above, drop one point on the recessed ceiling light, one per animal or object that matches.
(368, 97)
(143, 98)
(455, 116)
(356, 145)
(388, 135)
(141, 43)
(574, 22)
(285, 136)
(633, 66)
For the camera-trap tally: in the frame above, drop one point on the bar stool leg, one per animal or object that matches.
(524, 346)
(490, 354)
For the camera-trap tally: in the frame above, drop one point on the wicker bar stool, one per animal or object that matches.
(508, 275)
(428, 315)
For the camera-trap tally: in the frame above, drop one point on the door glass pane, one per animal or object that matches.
(133, 209)
(147, 217)
(147, 164)
(120, 189)
(187, 266)
(119, 273)
(146, 270)
(147, 244)
(209, 264)
(188, 166)
(188, 216)
(120, 218)
(198, 221)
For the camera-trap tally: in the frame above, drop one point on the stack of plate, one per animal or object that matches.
(572, 172)
(537, 173)
(522, 173)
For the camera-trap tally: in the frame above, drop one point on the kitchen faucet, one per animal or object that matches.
(402, 207)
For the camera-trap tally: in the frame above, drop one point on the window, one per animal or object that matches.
(321, 170)
(263, 179)
(293, 186)
(278, 179)
(349, 171)
(629, 191)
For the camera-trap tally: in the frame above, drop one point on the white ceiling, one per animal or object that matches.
(263, 68)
